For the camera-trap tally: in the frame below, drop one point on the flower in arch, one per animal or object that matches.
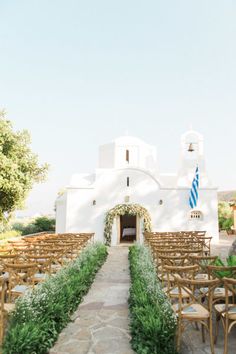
(122, 209)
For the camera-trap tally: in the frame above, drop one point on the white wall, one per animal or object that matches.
(61, 210)
(110, 189)
(76, 212)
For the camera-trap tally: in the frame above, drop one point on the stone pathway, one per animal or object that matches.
(101, 325)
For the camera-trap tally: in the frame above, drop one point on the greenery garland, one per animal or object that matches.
(122, 209)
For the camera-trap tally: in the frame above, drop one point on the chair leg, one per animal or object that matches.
(178, 335)
(210, 326)
(217, 327)
(226, 335)
(203, 334)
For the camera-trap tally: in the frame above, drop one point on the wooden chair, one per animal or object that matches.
(203, 262)
(197, 308)
(227, 311)
(174, 272)
(219, 272)
(170, 260)
(44, 263)
(20, 278)
(5, 309)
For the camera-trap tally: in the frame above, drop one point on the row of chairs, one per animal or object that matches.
(198, 289)
(26, 262)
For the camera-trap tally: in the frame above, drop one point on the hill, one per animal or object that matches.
(227, 196)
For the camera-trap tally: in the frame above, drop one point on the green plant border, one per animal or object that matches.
(122, 209)
(153, 323)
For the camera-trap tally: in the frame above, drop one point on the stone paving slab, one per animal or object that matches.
(101, 323)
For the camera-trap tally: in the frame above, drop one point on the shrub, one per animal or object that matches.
(227, 224)
(44, 223)
(40, 224)
(153, 322)
(41, 314)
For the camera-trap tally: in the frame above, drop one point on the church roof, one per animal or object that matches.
(128, 140)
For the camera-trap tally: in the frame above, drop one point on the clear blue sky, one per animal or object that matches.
(77, 74)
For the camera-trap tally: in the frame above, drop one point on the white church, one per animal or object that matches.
(128, 173)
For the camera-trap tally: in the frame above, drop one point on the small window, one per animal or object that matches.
(127, 156)
(127, 181)
(127, 199)
(196, 214)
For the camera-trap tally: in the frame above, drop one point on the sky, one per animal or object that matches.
(77, 74)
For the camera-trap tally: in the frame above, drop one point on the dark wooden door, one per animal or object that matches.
(128, 223)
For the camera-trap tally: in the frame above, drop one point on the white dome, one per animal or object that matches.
(128, 140)
(191, 136)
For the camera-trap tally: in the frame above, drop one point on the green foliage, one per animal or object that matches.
(226, 224)
(122, 209)
(41, 314)
(230, 262)
(9, 234)
(153, 322)
(40, 224)
(19, 168)
(225, 214)
(224, 210)
(44, 223)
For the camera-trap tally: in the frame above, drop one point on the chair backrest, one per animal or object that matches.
(230, 289)
(173, 260)
(175, 272)
(43, 261)
(202, 261)
(196, 297)
(221, 271)
(7, 258)
(21, 273)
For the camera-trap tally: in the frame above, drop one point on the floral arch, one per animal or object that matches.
(122, 209)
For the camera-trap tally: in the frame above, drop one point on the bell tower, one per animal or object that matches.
(192, 155)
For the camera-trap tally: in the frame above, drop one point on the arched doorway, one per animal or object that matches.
(135, 210)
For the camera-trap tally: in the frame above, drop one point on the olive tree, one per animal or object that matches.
(19, 168)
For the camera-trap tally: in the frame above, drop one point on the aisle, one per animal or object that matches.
(101, 325)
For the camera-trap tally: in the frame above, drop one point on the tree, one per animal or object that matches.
(224, 210)
(225, 214)
(19, 168)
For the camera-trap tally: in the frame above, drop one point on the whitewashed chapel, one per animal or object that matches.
(128, 173)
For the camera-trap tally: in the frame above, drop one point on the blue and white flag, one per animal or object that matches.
(193, 198)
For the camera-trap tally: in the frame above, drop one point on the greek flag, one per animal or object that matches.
(193, 198)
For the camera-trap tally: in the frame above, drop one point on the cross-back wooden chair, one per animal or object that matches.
(227, 312)
(219, 272)
(5, 309)
(206, 241)
(44, 263)
(20, 278)
(198, 307)
(174, 272)
(203, 262)
(170, 260)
